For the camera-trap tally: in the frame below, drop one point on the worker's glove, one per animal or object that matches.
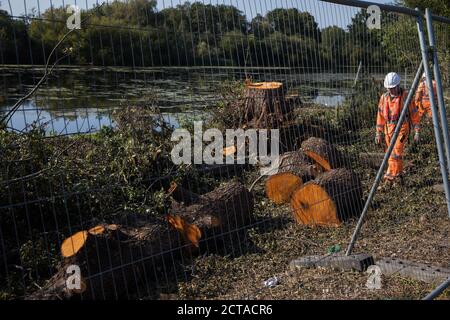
(378, 138)
(416, 137)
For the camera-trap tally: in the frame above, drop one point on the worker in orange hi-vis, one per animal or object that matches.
(422, 98)
(389, 109)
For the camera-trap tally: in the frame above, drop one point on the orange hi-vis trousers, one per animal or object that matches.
(395, 163)
(422, 99)
(389, 110)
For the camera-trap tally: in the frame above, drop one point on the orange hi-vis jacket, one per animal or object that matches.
(422, 98)
(389, 109)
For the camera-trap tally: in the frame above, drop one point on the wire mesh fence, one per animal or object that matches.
(94, 206)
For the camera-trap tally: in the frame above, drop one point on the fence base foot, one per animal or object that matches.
(417, 271)
(359, 262)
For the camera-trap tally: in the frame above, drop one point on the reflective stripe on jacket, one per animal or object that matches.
(422, 95)
(389, 109)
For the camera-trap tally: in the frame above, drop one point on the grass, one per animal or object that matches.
(414, 228)
(409, 221)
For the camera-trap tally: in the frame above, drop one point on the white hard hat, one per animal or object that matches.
(392, 80)
(424, 75)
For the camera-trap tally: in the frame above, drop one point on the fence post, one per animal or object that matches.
(436, 292)
(386, 158)
(437, 77)
(434, 110)
(357, 74)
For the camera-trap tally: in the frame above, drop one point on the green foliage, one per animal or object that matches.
(404, 28)
(439, 7)
(135, 33)
(53, 186)
(293, 22)
(68, 183)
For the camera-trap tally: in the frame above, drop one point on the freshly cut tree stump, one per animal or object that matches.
(323, 153)
(223, 210)
(265, 105)
(332, 198)
(113, 260)
(279, 187)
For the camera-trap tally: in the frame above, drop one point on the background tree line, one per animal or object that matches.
(196, 34)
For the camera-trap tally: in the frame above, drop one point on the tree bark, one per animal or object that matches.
(297, 163)
(223, 210)
(323, 153)
(112, 261)
(115, 259)
(265, 105)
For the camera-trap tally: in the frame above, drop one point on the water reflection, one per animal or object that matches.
(69, 121)
(82, 100)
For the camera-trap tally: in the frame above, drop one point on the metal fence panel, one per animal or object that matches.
(88, 180)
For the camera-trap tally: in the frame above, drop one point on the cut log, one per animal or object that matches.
(113, 260)
(223, 210)
(265, 105)
(332, 198)
(297, 163)
(292, 133)
(322, 153)
(294, 169)
(371, 159)
(181, 194)
(279, 187)
(73, 244)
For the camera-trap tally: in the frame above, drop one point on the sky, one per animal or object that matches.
(326, 14)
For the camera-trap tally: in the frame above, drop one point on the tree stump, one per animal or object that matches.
(323, 153)
(265, 105)
(332, 198)
(223, 210)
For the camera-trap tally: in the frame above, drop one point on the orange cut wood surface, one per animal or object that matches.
(73, 244)
(311, 205)
(319, 160)
(190, 232)
(279, 187)
(264, 85)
